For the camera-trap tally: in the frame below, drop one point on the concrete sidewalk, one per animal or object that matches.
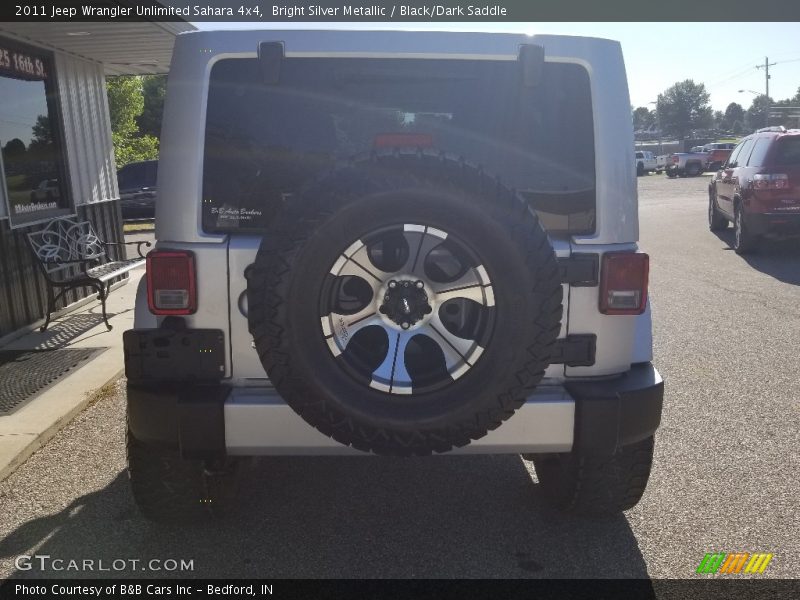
(32, 425)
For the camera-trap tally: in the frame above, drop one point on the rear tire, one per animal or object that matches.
(596, 485)
(167, 488)
(693, 170)
(744, 242)
(716, 222)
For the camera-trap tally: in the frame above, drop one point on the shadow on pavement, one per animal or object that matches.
(467, 516)
(63, 331)
(777, 258)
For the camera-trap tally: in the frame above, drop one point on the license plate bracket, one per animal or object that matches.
(163, 355)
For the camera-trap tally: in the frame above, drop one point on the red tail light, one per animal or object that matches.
(676, 160)
(411, 140)
(771, 182)
(171, 285)
(623, 283)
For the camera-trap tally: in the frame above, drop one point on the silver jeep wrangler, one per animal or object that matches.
(401, 243)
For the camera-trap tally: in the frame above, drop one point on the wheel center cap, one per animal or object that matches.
(405, 302)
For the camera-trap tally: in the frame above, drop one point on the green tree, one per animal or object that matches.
(758, 113)
(154, 89)
(41, 138)
(643, 118)
(684, 107)
(14, 148)
(125, 104)
(733, 112)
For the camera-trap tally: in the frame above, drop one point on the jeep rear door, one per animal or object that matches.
(264, 142)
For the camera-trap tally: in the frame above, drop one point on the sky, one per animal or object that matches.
(722, 56)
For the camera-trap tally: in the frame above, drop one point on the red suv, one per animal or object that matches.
(758, 188)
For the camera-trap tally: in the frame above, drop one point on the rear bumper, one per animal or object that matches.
(774, 223)
(617, 412)
(211, 421)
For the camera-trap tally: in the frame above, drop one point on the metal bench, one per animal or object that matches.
(66, 249)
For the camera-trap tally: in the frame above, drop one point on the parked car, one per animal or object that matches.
(137, 189)
(366, 249)
(686, 164)
(717, 153)
(645, 162)
(46, 191)
(758, 189)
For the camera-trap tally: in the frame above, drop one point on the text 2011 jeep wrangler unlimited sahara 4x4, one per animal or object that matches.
(393, 242)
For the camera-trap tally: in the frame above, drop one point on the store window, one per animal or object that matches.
(31, 138)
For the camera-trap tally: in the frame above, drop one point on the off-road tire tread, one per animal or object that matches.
(170, 489)
(596, 485)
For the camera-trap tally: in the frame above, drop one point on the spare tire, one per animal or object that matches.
(405, 303)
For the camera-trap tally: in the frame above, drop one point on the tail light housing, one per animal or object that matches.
(623, 283)
(411, 140)
(171, 282)
(675, 160)
(764, 181)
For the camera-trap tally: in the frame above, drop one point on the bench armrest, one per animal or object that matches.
(139, 245)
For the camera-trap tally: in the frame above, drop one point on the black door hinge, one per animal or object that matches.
(574, 350)
(580, 270)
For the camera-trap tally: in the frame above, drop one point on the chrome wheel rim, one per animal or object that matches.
(407, 309)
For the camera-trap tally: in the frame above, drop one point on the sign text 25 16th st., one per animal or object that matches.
(19, 63)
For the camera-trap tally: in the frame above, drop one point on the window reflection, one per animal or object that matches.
(32, 158)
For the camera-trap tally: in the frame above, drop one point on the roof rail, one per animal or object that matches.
(777, 128)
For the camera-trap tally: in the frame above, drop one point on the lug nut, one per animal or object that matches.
(406, 325)
(392, 284)
(406, 284)
(420, 285)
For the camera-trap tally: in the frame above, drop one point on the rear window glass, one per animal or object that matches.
(787, 152)
(263, 143)
(740, 159)
(759, 152)
(137, 175)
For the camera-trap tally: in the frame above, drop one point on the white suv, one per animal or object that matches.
(393, 242)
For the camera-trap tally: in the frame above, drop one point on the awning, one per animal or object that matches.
(124, 48)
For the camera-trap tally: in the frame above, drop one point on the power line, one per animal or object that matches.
(734, 76)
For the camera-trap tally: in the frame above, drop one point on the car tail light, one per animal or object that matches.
(395, 140)
(676, 160)
(623, 283)
(171, 285)
(771, 182)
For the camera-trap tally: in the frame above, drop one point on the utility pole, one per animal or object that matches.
(766, 67)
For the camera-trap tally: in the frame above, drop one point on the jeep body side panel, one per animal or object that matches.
(616, 335)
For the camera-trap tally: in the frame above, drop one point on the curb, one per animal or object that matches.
(45, 436)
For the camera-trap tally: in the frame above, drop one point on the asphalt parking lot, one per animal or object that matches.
(727, 341)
